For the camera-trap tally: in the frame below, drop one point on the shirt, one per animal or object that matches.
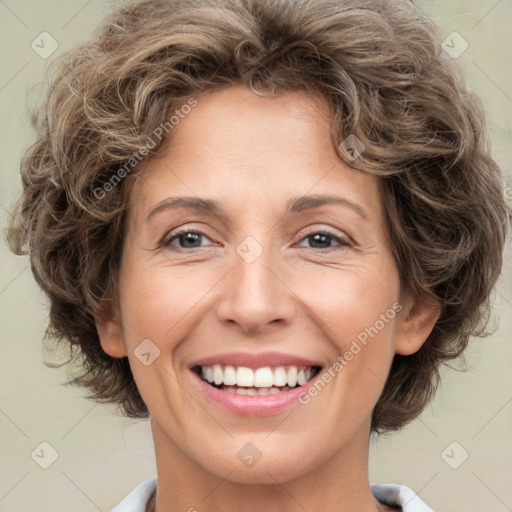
(388, 494)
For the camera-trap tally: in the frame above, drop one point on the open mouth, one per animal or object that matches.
(256, 381)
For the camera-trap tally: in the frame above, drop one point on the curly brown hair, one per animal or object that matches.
(380, 66)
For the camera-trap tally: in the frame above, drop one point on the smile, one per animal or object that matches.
(256, 381)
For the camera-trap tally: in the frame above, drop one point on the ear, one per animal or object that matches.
(415, 323)
(110, 331)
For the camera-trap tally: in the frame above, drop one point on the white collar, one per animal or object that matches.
(388, 494)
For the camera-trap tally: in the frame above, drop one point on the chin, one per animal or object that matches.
(260, 462)
(262, 472)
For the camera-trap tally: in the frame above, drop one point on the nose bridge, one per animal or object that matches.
(254, 296)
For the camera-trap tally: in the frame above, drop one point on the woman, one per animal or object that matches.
(264, 225)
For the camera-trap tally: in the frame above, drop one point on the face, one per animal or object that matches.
(275, 266)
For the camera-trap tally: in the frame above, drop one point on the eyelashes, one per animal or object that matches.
(325, 233)
(190, 237)
(180, 235)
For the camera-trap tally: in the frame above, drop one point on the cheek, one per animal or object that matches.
(349, 302)
(157, 301)
(358, 312)
(158, 305)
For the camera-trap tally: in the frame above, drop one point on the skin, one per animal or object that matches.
(253, 154)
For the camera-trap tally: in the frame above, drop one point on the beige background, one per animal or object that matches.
(102, 456)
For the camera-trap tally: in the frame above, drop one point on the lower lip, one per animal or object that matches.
(253, 405)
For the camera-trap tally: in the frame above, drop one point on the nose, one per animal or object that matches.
(255, 297)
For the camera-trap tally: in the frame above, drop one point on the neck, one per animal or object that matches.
(337, 484)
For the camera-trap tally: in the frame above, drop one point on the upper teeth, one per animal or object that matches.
(265, 377)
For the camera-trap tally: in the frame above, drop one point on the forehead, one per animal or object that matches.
(250, 151)
(235, 117)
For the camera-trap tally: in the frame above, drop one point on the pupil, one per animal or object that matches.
(190, 237)
(319, 238)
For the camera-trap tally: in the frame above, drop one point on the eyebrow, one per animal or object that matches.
(294, 205)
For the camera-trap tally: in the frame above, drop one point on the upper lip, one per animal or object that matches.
(255, 360)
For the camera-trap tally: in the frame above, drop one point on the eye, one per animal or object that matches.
(189, 239)
(319, 240)
(186, 238)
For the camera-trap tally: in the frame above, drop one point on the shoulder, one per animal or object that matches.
(399, 495)
(137, 500)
